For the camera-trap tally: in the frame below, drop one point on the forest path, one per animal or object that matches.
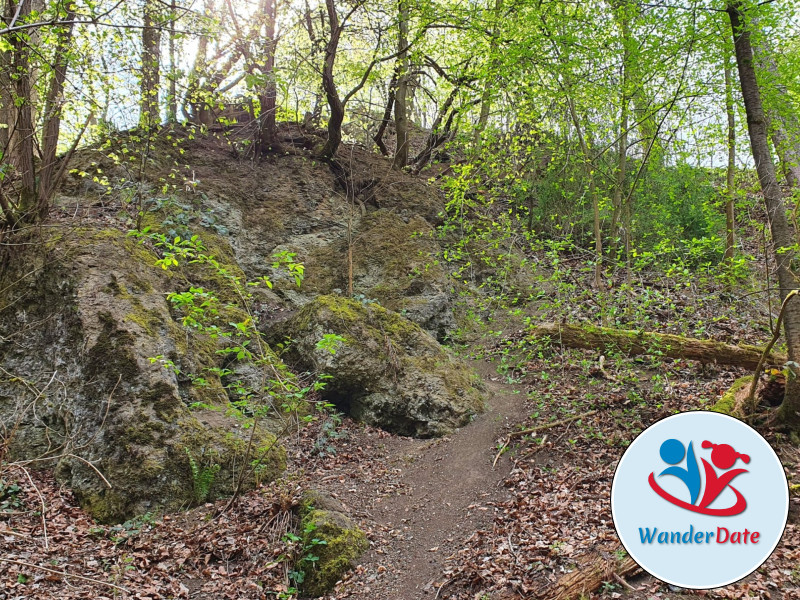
(445, 490)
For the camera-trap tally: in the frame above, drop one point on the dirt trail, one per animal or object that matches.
(445, 487)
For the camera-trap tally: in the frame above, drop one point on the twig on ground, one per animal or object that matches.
(535, 449)
(41, 500)
(516, 434)
(749, 404)
(63, 573)
(500, 452)
(625, 584)
(441, 587)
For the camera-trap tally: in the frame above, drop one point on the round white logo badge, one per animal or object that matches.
(699, 500)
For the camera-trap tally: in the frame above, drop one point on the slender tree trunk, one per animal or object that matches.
(194, 106)
(788, 152)
(172, 101)
(648, 128)
(588, 161)
(329, 85)
(438, 134)
(387, 114)
(6, 100)
(151, 66)
(21, 134)
(622, 152)
(52, 116)
(400, 105)
(269, 128)
(488, 82)
(782, 235)
(485, 110)
(730, 192)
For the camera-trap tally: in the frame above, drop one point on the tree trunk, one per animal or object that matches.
(782, 235)
(269, 128)
(151, 63)
(21, 134)
(387, 113)
(438, 134)
(622, 150)
(194, 106)
(788, 152)
(730, 192)
(172, 100)
(588, 161)
(329, 85)
(400, 105)
(488, 83)
(7, 111)
(52, 116)
(781, 120)
(634, 343)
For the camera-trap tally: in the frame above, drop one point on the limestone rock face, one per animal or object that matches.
(86, 328)
(84, 389)
(394, 262)
(384, 370)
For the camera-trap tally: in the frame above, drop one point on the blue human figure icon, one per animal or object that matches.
(672, 452)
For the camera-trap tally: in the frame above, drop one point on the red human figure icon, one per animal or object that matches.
(724, 457)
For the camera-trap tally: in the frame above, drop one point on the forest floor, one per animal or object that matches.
(444, 521)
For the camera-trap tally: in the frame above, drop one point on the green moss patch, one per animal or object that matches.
(343, 544)
(736, 393)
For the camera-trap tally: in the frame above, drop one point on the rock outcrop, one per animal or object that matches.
(82, 318)
(86, 329)
(384, 370)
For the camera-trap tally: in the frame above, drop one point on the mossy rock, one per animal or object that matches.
(259, 453)
(344, 543)
(96, 306)
(150, 467)
(395, 261)
(385, 370)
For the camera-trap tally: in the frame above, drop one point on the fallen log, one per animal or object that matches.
(635, 343)
(589, 574)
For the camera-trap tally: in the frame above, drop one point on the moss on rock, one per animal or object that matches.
(343, 543)
(395, 261)
(262, 457)
(112, 354)
(387, 371)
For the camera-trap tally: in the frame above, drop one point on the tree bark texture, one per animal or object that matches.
(783, 238)
(400, 99)
(329, 85)
(151, 66)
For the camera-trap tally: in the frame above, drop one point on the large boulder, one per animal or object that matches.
(384, 370)
(82, 316)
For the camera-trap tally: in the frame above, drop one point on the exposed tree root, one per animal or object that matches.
(634, 343)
